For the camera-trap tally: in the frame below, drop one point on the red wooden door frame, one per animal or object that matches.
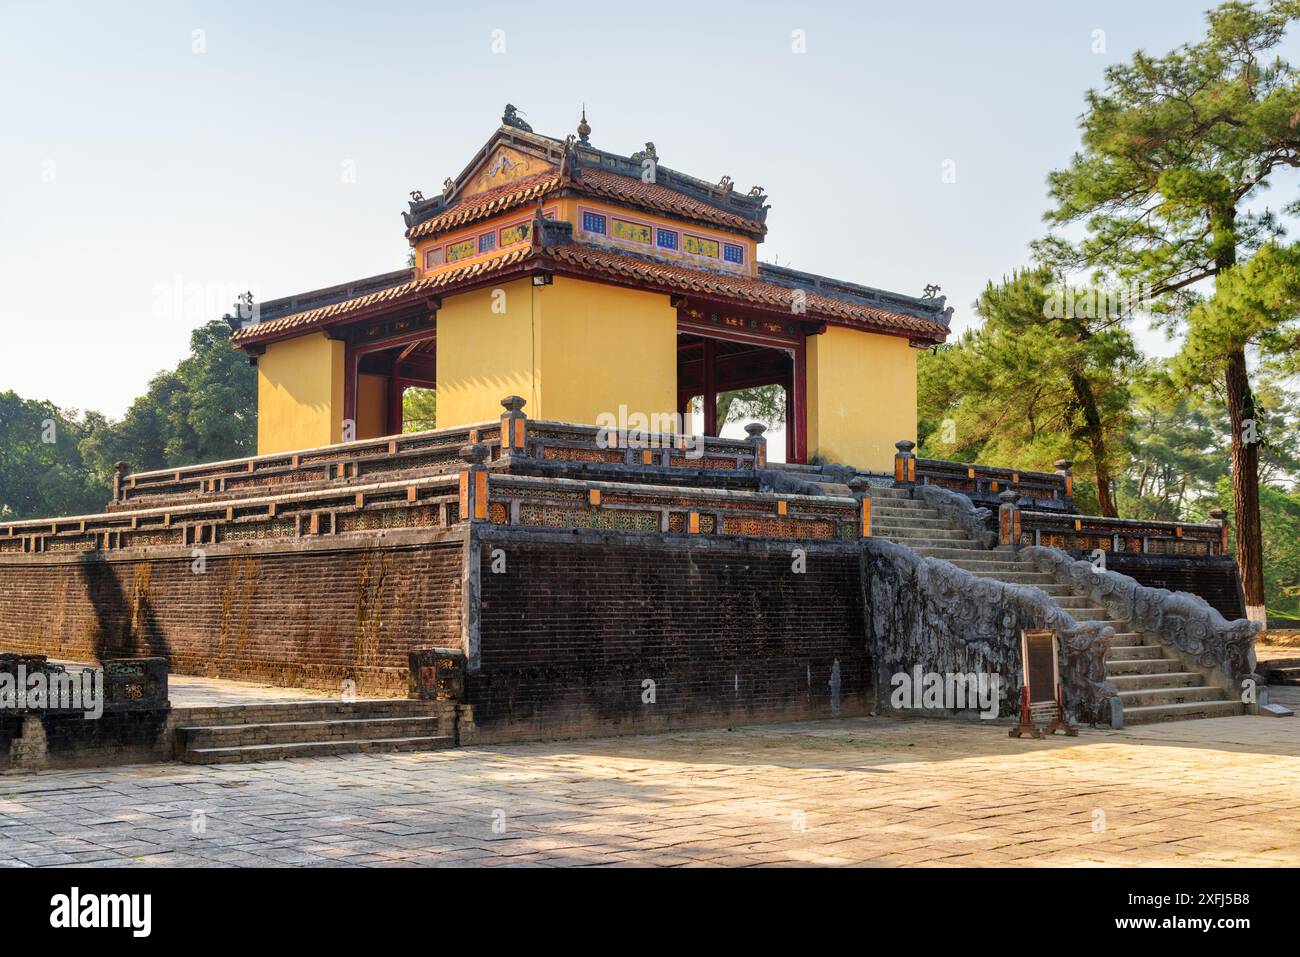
(796, 346)
(352, 355)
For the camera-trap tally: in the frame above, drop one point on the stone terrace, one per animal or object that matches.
(871, 791)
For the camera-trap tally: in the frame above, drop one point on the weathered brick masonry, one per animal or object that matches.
(294, 612)
(569, 632)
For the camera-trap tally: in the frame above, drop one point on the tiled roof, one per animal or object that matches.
(593, 182)
(494, 201)
(603, 183)
(411, 291)
(744, 288)
(600, 263)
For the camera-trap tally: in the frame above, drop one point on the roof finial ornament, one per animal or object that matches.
(417, 195)
(511, 118)
(447, 186)
(725, 185)
(584, 129)
(930, 291)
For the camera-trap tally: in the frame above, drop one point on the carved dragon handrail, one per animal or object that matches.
(1185, 621)
(941, 604)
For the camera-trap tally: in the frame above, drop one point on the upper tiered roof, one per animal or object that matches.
(546, 168)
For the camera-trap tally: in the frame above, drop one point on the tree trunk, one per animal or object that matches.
(1245, 483)
(1245, 448)
(1096, 441)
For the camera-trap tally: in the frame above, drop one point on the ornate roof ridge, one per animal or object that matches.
(573, 158)
(934, 309)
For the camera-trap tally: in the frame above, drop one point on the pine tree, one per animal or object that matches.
(1175, 150)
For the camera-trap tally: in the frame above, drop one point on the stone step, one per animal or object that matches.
(1171, 679)
(895, 521)
(1017, 577)
(1090, 613)
(917, 544)
(1150, 714)
(903, 505)
(1134, 652)
(923, 534)
(326, 709)
(1052, 591)
(1146, 666)
(901, 494)
(290, 732)
(953, 552)
(1284, 675)
(1072, 601)
(1148, 697)
(993, 565)
(895, 506)
(946, 549)
(313, 749)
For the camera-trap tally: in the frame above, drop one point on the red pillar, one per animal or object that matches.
(395, 389)
(710, 388)
(790, 454)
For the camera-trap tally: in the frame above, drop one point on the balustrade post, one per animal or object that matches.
(755, 431)
(1220, 517)
(119, 480)
(1063, 469)
(514, 426)
(904, 463)
(1008, 519)
(474, 483)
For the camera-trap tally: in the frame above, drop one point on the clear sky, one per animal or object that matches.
(149, 171)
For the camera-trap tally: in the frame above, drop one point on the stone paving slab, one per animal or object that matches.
(863, 791)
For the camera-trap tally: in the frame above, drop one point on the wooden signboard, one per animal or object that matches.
(1040, 696)
(1039, 664)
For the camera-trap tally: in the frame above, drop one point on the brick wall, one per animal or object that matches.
(293, 613)
(574, 626)
(70, 740)
(1215, 580)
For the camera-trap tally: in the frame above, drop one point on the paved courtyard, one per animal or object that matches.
(869, 791)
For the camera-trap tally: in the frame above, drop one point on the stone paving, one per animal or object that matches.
(868, 791)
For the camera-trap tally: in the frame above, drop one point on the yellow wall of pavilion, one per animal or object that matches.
(605, 346)
(572, 349)
(372, 406)
(484, 356)
(300, 394)
(861, 397)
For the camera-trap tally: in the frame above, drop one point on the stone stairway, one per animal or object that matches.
(270, 732)
(1154, 683)
(1282, 671)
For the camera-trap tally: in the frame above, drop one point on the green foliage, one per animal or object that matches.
(1174, 149)
(1280, 515)
(765, 403)
(419, 409)
(204, 410)
(1177, 453)
(41, 468)
(1256, 304)
(1034, 384)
